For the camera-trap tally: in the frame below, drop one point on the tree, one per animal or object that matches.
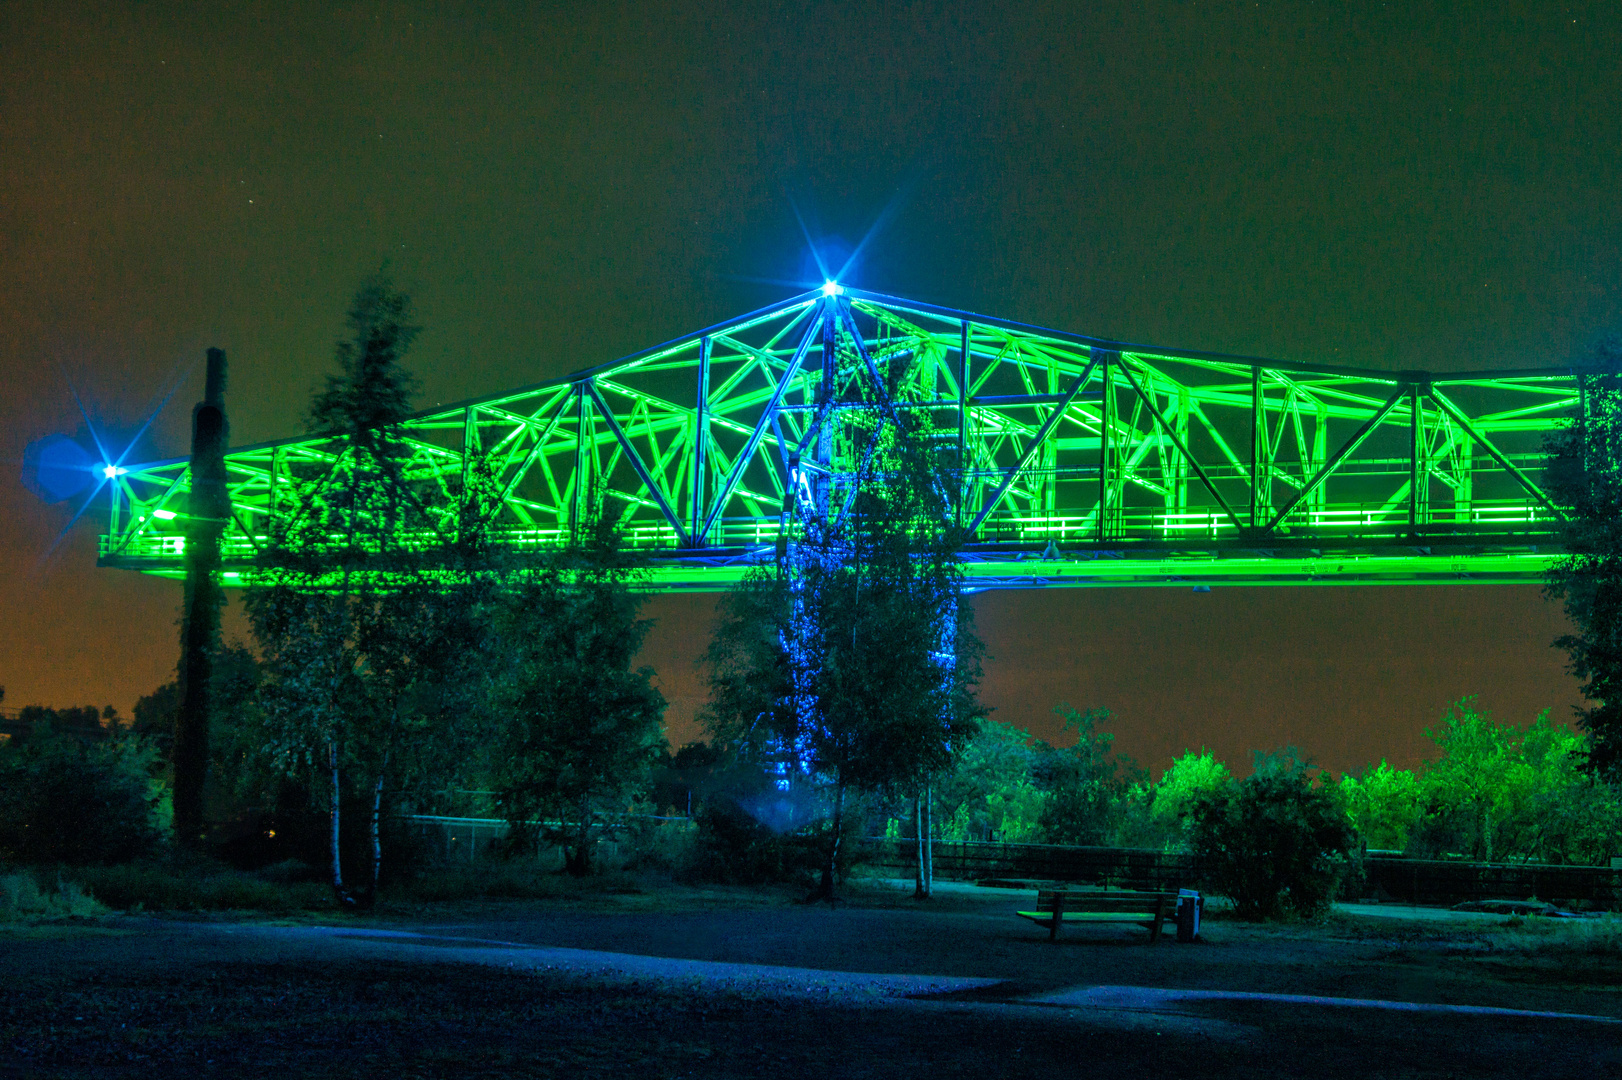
(78, 801)
(1276, 843)
(1585, 477)
(989, 793)
(1507, 793)
(851, 661)
(365, 604)
(1084, 782)
(1159, 815)
(581, 728)
(1383, 805)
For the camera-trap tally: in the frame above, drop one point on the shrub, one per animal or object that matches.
(989, 793)
(154, 886)
(1276, 844)
(662, 847)
(1160, 815)
(22, 897)
(1513, 794)
(78, 803)
(733, 847)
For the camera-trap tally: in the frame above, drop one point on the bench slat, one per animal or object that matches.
(1090, 917)
(1054, 907)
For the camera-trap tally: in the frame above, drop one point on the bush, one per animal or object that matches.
(1159, 815)
(78, 803)
(1276, 844)
(22, 897)
(661, 847)
(734, 848)
(150, 886)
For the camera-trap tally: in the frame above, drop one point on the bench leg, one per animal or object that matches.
(1160, 915)
(1058, 917)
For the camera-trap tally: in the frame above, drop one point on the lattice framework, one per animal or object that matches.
(1083, 461)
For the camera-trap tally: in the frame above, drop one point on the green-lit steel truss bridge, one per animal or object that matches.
(1083, 462)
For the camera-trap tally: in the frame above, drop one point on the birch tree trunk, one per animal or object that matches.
(918, 892)
(825, 891)
(377, 840)
(929, 838)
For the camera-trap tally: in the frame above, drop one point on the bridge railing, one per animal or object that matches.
(1351, 523)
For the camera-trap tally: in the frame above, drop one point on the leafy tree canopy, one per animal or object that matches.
(1585, 477)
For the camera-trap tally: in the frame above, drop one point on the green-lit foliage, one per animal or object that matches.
(1278, 843)
(1383, 805)
(990, 793)
(579, 729)
(1084, 783)
(77, 801)
(1505, 793)
(1585, 476)
(1158, 815)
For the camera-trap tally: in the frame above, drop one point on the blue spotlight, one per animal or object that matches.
(56, 468)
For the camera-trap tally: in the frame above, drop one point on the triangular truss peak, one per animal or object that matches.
(1080, 461)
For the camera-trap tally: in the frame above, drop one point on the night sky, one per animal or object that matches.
(1393, 186)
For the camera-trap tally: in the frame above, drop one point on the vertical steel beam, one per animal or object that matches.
(1258, 433)
(1414, 436)
(579, 459)
(963, 370)
(470, 442)
(701, 436)
(1106, 407)
(271, 493)
(823, 451)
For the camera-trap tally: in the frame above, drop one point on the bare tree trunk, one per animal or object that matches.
(825, 891)
(337, 859)
(578, 861)
(918, 891)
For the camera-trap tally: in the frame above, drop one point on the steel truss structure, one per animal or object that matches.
(1080, 462)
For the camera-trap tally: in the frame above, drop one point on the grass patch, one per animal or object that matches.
(514, 880)
(1535, 936)
(167, 887)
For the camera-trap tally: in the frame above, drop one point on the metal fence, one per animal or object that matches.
(466, 839)
(1413, 881)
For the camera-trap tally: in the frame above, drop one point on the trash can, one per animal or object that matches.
(1189, 903)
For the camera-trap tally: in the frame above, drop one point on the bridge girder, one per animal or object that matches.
(1083, 461)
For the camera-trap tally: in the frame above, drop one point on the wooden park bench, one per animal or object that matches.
(1055, 907)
